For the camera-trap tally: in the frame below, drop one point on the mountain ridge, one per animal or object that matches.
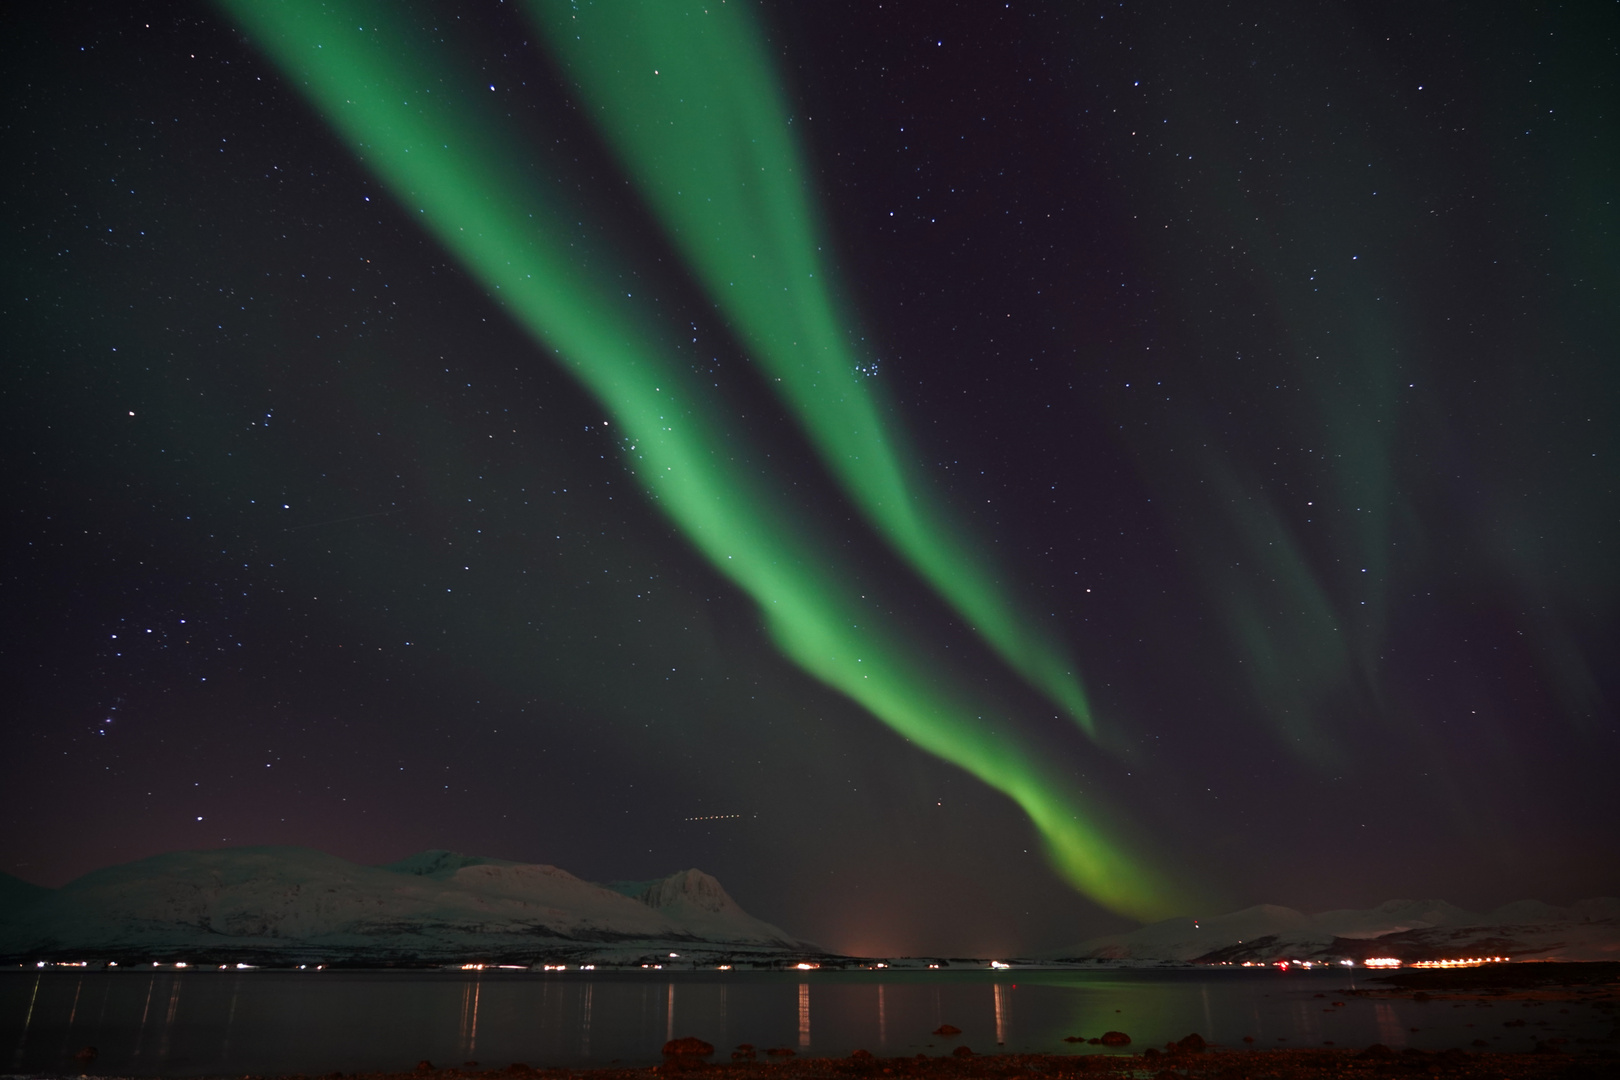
(290, 902)
(1407, 930)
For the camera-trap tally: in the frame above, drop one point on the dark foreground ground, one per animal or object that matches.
(1213, 1064)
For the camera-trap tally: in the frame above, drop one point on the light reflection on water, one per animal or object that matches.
(804, 1014)
(1001, 994)
(269, 1022)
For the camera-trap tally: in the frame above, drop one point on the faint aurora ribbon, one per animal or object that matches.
(404, 110)
(687, 95)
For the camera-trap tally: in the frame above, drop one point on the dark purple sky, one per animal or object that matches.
(1269, 350)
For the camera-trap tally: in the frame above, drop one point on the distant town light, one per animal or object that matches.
(999, 964)
(1476, 961)
(1382, 962)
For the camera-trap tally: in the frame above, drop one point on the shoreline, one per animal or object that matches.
(1545, 1063)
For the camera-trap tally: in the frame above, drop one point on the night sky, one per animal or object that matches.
(969, 476)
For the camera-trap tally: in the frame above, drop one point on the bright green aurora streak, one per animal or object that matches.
(403, 110)
(688, 97)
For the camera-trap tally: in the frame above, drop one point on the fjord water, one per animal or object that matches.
(275, 1022)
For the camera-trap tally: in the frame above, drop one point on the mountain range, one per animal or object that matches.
(1406, 930)
(282, 905)
(290, 905)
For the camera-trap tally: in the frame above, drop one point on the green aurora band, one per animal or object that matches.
(404, 111)
(688, 98)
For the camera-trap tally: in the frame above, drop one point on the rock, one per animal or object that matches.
(1192, 1044)
(962, 1052)
(87, 1055)
(1074, 1038)
(687, 1046)
(1115, 1038)
(865, 1057)
(947, 1029)
(780, 1051)
(424, 1066)
(1377, 1050)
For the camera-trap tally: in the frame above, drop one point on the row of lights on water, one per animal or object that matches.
(1379, 962)
(180, 964)
(996, 965)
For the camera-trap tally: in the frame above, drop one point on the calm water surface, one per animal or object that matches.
(267, 1022)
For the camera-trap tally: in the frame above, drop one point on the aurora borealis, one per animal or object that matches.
(689, 97)
(1037, 466)
(685, 455)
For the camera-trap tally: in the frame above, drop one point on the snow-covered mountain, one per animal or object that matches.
(1405, 929)
(290, 903)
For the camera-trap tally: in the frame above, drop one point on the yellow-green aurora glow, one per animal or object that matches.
(688, 98)
(404, 110)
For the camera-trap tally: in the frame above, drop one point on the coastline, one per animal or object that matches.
(1225, 1064)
